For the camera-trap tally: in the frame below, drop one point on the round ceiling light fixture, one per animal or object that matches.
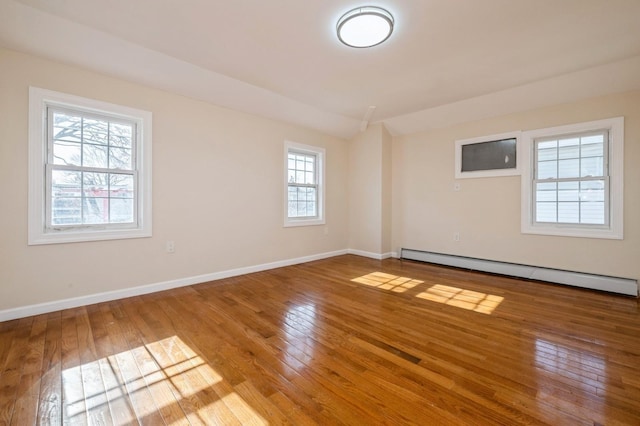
(365, 26)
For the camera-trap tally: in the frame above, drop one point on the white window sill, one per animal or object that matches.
(76, 237)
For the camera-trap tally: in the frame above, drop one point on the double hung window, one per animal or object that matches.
(89, 170)
(573, 186)
(304, 185)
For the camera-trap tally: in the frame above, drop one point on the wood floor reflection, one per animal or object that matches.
(347, 340)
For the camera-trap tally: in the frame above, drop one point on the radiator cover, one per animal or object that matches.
(577, 279)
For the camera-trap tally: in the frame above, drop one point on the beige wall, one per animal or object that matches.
(486, 212)
(217, 192)
(370, 191)
(386, 191)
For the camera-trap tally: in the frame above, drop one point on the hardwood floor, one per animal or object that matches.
(346, 340)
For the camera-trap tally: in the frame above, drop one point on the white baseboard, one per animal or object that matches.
(378, 256)
(43, 308)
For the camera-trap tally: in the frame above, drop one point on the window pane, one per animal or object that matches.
(66, 183)
(545, 212)
(95, 184)
(120, 158)
(311, 194)
(592, 166)
(568, 168)
(592, 213)
(568, 191)
(66, 211)
(120, 186)
(311, 208)
(569, 212)
(121, 210)
(95, 131)
(67, 127)
(94, 156)
(569, 148)
(309, 178)
(121, 135)
(96, 210)
(292, 193)
(547, 169)
(546, 192)
(547, 154)
(67, 153)
(592, 190)
(592, 150)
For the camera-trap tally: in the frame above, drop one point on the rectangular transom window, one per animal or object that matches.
(304, 185)
(574, 180)
(89, 170)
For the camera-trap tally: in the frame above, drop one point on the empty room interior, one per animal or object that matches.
(320, 212)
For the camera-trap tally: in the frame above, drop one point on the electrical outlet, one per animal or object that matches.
(456, 236)
(456, 186)
(171, 247)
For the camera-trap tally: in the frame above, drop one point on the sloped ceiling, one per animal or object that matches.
(447, 61)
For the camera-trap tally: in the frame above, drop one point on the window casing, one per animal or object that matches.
(90, 170)
(573, 182)
(304, 185)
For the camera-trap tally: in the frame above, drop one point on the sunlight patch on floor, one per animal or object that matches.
(461, 298)
(387, 282)
(149, 378)
(440, 293)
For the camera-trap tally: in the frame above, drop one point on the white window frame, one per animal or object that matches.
(614, 168)
(39, 232)
(319, 153)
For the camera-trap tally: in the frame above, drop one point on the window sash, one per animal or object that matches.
(582, 206)
(110, 224)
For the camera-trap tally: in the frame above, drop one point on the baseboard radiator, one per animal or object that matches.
(577, 279)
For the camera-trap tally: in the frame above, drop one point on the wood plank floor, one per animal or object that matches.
(346, 340)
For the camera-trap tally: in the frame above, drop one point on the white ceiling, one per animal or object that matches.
(447, 61)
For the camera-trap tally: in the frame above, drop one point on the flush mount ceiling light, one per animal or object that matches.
(365, 26)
